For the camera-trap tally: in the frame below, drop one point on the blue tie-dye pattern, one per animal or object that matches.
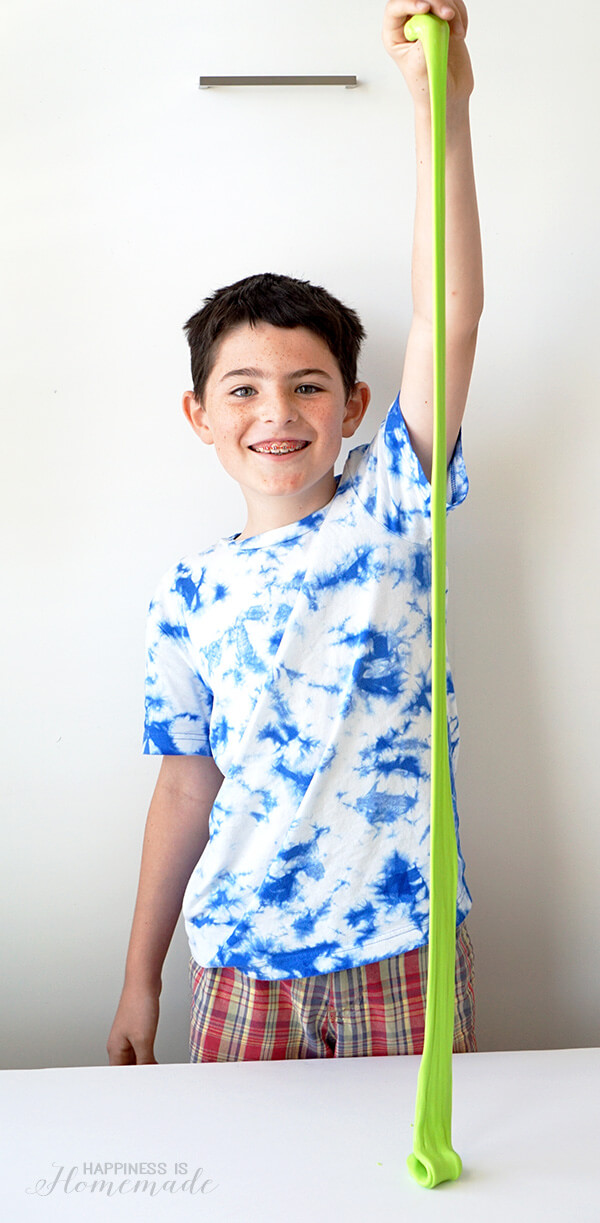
(301, 860)
(388, 754)
(187, 588)
(158, 739)
(379, 808)
(401, 883)
(173, 630)
(304, 926)
(300, 660)
(378, 671)
(365, 917)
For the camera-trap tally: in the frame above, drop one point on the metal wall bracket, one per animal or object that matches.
(209, 82)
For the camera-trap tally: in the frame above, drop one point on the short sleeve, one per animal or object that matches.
(390, 481)
(178, 703)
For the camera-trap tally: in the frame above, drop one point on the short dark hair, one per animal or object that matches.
(282, 301)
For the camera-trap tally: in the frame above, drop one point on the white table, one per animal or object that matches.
(300, 1142)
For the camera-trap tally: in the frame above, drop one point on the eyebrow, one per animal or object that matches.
(259, 373)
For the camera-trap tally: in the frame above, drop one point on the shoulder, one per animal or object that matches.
(386, 470)
(389, 480)
(184, 581)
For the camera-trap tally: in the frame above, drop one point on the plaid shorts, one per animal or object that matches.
(371, 1011)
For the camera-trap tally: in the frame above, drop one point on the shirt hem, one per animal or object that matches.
(305, 963)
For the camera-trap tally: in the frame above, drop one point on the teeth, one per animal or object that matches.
(279, 447)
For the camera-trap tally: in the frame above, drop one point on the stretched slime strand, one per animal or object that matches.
(433, 1159)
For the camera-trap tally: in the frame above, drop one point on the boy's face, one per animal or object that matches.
(276, 411)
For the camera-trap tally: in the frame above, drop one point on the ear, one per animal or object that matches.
(195, 413)
(356, 406)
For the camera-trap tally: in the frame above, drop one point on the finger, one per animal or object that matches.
(459, 24)
(121, 1054)
(456, 16)
(144, 1053)
(398, 13)
(455, 13)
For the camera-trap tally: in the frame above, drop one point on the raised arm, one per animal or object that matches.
(464, 278)
(176, 834)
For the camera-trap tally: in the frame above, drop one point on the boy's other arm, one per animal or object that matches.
(464, 276)
(175, 837)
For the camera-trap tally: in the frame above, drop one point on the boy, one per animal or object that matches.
(288, 667)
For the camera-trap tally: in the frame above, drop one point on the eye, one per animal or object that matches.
(239, 392)
(308, 388)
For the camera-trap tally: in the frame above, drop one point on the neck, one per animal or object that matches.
(277, 512)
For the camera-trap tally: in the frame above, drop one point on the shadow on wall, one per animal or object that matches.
(528, 838)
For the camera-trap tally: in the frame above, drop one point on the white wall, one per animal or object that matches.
(131, 196)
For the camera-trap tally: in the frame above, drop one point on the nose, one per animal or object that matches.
(279, 407)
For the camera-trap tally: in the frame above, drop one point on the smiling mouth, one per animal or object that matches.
(278, 447)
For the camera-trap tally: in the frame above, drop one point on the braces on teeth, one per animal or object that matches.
(282, 448)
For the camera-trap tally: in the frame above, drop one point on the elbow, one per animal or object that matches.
(462, 324)
(464, 310)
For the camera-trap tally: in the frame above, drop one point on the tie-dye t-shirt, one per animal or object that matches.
(300, 659)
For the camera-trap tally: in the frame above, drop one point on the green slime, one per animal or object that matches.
(433, 1159)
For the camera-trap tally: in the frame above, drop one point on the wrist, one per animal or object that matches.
(458, 129)
(457, 109)
(143, 978)
(457, 115)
